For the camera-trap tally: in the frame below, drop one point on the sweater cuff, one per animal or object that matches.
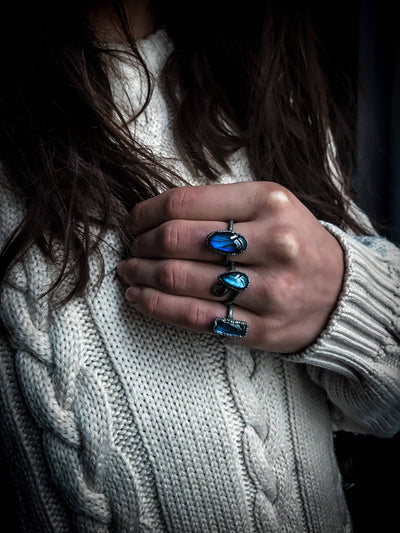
(363, 322)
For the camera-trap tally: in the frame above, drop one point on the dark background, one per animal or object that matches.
(377, 177)
(364, 37)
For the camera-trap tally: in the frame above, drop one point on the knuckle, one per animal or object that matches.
(175, 202)
(286, 244)
(276, 197)
(169, 241)
(277, 290)
(153, 304)
(131, 269)
(125, 270)
(169, 276)
(195, 316)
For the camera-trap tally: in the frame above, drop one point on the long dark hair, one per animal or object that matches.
(254, 79)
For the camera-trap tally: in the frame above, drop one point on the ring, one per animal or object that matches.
(227, 242)
(232, 280)
(227, 327)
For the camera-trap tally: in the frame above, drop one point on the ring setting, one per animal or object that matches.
(227, 242)
(234, 280)
(228, 327)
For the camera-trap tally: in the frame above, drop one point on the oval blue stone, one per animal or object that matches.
(227, 242)
(230, 328)
(235, 280)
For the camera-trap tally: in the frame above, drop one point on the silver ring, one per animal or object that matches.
(228, 327)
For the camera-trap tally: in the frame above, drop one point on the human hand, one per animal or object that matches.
(295, 266)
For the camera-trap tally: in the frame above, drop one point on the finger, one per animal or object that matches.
(192, 313)
(194, 279)
(186, 239)
(225, 202)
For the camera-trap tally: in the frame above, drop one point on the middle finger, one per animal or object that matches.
(186, 239)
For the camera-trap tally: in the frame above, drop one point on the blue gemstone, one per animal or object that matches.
(230, 328)
(227, 242)
(234, 280)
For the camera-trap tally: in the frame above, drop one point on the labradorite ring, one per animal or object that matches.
(232, 280)
(227, 327)
(227, 242)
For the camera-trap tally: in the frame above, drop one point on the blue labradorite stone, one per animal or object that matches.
(227, 242)
(234, 280)
(230, 328)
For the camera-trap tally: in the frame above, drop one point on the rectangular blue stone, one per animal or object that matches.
(230, 328)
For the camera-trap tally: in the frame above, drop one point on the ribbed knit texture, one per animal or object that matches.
(134, 425)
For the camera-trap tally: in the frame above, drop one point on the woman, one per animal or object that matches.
(191, 303)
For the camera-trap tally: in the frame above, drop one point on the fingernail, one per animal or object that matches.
(132, 294)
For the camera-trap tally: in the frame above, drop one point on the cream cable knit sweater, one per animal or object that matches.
(114, 422)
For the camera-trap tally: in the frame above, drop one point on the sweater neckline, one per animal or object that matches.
(153, 48)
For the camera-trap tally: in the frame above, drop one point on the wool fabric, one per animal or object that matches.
(113, 422)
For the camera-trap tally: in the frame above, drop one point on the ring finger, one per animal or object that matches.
(192, 278)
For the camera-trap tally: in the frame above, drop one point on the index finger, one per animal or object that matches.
(223, 202)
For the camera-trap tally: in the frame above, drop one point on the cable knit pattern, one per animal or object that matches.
(240, 367)
(136, 426)
(71, 406)
(254, 378)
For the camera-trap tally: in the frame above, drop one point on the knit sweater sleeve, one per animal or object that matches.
(356, 359)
